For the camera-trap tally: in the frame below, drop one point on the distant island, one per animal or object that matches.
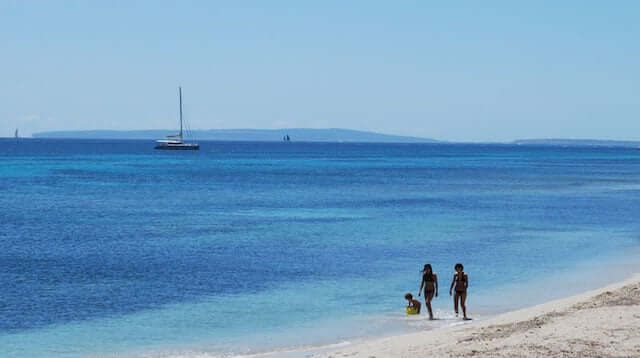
(295, 134)
(315, 135)
(579, 142)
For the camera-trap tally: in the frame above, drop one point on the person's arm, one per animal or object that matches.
(421, 284)
(435, 278)
(452, 282)
(466, 281)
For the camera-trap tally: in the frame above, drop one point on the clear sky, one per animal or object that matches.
(456, 70)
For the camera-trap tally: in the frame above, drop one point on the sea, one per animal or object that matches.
(110, 248)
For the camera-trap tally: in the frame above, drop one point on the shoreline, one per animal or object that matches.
(619, 270)
(600, 322)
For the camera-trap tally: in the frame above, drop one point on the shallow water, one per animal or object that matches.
(111, 248)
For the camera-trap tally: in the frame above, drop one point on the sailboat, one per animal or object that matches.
(16, 135)
(175, 141)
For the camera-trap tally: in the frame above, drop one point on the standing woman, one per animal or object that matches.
(430, 284)
(461, 281)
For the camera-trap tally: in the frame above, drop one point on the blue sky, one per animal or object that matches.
(465, 71)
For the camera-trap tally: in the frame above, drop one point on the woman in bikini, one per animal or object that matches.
(430, 284)
(461, 281)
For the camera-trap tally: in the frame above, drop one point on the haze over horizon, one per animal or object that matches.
(495, 71)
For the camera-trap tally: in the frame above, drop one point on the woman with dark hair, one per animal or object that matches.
(430, 284)
(461, 281)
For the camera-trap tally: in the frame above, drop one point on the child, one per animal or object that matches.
(414, 305)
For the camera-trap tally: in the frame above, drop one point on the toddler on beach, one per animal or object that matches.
(414, 305)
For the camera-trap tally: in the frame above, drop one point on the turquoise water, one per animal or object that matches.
(113, 249)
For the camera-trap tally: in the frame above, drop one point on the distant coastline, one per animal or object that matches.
(316, 135)
(296, 134)
(579, 142)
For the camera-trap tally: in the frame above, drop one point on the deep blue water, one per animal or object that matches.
(110, 247)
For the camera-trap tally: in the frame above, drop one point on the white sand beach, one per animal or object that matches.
(599, 323)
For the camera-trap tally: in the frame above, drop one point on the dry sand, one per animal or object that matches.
(600, 323)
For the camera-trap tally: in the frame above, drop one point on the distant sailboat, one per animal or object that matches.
(286, 138)
(16, 135)
(175, 141)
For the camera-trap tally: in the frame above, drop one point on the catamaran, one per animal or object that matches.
(175, 141)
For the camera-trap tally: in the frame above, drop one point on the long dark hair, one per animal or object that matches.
(427, 268)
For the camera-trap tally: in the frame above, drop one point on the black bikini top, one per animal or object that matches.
(428, 277)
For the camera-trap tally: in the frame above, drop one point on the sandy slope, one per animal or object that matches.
(601, 323)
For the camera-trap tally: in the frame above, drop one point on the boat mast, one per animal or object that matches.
(180, 95)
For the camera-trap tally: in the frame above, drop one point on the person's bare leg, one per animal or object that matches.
(427, 301)
(455, 303)
(463, 300)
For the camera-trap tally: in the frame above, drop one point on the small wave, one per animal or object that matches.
(307, 349)
(294, 351)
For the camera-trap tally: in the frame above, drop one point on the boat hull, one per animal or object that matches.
(178, 147)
